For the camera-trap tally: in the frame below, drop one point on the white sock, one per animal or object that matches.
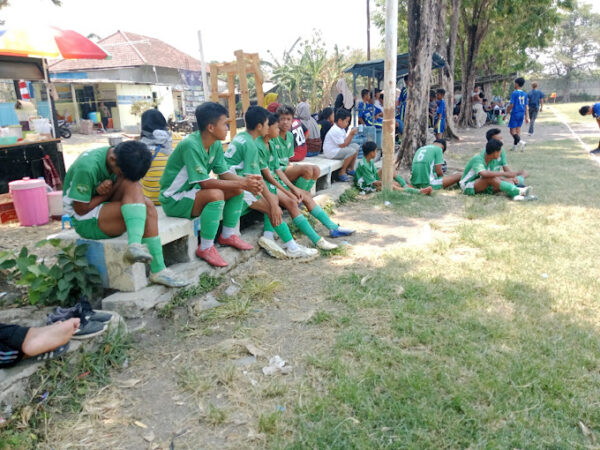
(292, 245)
(206, 243)
(269, 235)
(227, 232)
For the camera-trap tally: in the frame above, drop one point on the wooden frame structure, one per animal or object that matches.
(245, 63)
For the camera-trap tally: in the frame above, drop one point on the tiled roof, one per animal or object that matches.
(130, 49)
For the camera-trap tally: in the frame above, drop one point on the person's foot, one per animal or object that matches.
(272, 248)
(211, 256)
(343, 178)
(138, 253)
(596, 151)
(350, 172)
(513, 148)
(524, 191)
(524, 198)
(301, 252)
(235, 241)
(325, 245)
(426, 191)
(522, 145)
(167, 278)
(340, 232)
(44, 339)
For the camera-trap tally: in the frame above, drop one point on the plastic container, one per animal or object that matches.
(15, 130)
(41, 126)
(30, 201)
(94, 117)
(8, 140)
(55, 204)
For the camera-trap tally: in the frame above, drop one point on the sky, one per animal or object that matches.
(226, 25)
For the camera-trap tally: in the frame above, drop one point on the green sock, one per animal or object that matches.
(400, 180)
(521, 179)
(134, 215)
(209, 219)
(410, 190)
(283, 231)
(155, 249)
(510, 189)
(302, 183)
(268, 227)
(322, 217)
(302, 223)
(232, 211)
(311, 183)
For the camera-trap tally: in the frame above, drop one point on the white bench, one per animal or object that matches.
(179, 238)
(327, 167)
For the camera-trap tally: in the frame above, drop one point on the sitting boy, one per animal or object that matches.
(302, 175)
(291, 196)
(338, 144)
(427, 167)
(501, 163)
(479, 176)
(594, 110)
(104, 198)
(243, 156)
(368, 178)
(187, 191)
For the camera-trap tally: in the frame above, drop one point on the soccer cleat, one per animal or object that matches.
(52, 354)
(513, 148)
(325, 245)
(137, 253)
(426, 191)
(596, 151)
(301, 252)
(211, 256)
(272, 248)
(524, 198)
(82, 309)
(167, 278)
(524, 191)
(235, 241)
(340, 232)
(522, 145)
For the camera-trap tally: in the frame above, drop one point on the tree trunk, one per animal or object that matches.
(421, 40)
(448, 50)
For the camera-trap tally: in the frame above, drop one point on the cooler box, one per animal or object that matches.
(30, 200)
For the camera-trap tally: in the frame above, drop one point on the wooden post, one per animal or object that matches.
(214, 83)
(204, 78)
(389, 92)
(75, 105)
(258, 80)
(241, 64)
(232, 105)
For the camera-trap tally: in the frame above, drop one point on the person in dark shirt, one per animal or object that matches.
(344, 99)
(325, 121)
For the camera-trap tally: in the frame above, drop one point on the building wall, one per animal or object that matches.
(127, 95)
(584, 86)
(165, 94)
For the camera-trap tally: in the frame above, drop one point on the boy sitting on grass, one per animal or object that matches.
(594, 110)
(338, 144)
(289, 195)
(368, 178)
(242, 155)
(501, 163)
(427, 167)
(187, 190)
(104, 198)
(479, 176)
(302, 175)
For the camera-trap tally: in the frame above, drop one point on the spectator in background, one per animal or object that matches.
(433, 104)
(344, 99)
(158, 139)
(338, 144)
(536, 101)
(298, 130)
(272, 107)
(271, 97)
(326, 120)
(377, 99)
(312, 133)
(104, 114)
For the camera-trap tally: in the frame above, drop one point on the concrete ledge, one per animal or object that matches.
(327, 167)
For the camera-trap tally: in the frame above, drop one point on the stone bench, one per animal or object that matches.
(327, 167)
(179, 238)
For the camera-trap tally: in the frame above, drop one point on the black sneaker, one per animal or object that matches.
(596, 151)
(83, 310)
(444, 167)
(52, 354)
(89, 328)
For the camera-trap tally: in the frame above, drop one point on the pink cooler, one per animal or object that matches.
(30, 200)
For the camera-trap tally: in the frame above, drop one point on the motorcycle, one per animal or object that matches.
(64, 129)
(181, 126)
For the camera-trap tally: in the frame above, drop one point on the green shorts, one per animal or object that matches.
(249, 199)
(471, 191)
(87, 225)
(436, 184)
(178, 208)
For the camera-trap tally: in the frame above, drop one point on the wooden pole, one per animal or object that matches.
(75, 105)
(389, 91)
(214, 83)
(204, 77)
(241, 61)
(232, 105)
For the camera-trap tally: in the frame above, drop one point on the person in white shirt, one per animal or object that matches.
(338, 144)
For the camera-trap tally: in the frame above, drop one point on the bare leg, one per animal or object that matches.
(449, 180)
(300, 170)
(43, 339)
(348, 162)
(205, 196)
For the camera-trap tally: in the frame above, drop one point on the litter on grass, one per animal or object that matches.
(276, 365)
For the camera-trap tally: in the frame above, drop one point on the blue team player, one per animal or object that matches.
(595, 112)
(518, 111)
(439, 122)
(402, 100)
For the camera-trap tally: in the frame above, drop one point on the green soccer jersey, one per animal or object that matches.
(242, 155)
(366, 174)
(423, 166)
(286, 150)
(84, 176)
(268, 155)
(471, 173)
(497, 164)
(190, 164)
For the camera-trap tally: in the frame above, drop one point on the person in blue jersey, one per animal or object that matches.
(402, 100)
(518, 112)
(439, 121)
(536, 102)
(594, 110)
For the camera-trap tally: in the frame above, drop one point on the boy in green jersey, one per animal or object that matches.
(480, 178)
(104, 198)
(368, 178)
(243, 156)
(427, 167)
(290, 196)
(187, 190)
(302, 175)
(501, 163)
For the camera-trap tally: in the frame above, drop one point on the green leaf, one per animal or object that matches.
(81, 250)
(81, 262)
(34, 269)
(62, 295)
(63, 284)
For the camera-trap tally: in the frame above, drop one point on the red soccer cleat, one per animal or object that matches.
(235, 241)
(211, 256)
(426, 191)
